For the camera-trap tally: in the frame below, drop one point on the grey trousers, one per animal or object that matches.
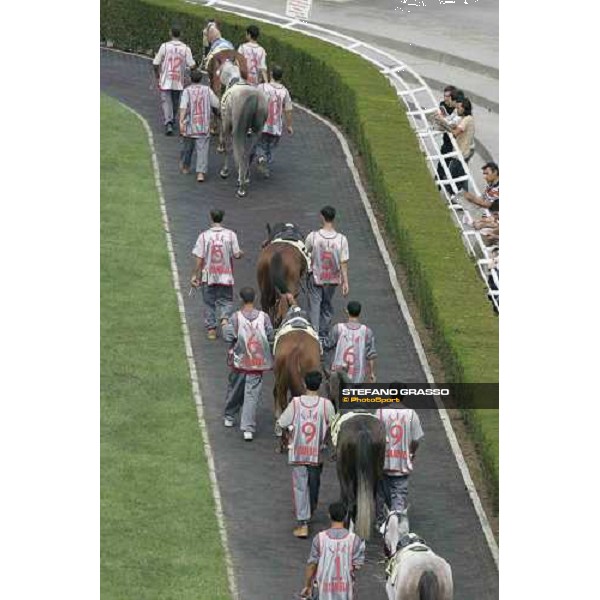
(392, 491)
(306, 482)
(244, 392)
(200, 144)
(218, 304)
(169, 101)
(319, 306)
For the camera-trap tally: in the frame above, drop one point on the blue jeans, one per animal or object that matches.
(218, 303)
(266, 146)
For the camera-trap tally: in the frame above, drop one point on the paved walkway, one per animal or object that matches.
(255, 482)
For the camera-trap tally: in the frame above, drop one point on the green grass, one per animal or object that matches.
(159, 533)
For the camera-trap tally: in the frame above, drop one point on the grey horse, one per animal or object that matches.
(414, 571)
(244, 109)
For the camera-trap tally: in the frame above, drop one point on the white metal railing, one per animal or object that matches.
(419, 102)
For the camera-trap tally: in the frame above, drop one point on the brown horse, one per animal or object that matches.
(281, 268)
(296, 354)
(360, 451)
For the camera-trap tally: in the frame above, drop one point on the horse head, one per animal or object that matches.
(394, 529)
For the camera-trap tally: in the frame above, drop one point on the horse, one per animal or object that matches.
(414, 571)
(213, 63)
(297, 352)
(280, 270)
(244, 108)
(360, 452)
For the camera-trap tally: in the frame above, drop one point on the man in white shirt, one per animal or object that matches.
(215, 250)
(255, 55)
(170, 63)
(329, 268)
(194, 124)
(280, 103)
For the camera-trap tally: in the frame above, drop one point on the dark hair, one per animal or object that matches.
(175, 31)
(196, 75)
(449, 88)
(253, 31)
(495, 206)
(467, 106)
(328, 213)
(493, 166)
(354, 308)
(277, 73)
(217, 215)
(247, 294)
(337, 511)
(313, 380)
(457, 95)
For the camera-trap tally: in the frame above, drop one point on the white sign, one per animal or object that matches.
(298, 9)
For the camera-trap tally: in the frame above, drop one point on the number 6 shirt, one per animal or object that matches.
(402, 426)
(310, 417)
(279, 101)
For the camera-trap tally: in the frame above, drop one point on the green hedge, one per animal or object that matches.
(353, 94)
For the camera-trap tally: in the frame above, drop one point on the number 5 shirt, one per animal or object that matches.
(309, 417)
(402, 427)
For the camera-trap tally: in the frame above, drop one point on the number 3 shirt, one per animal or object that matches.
(309, 417)
(279, 101)
(402, 426)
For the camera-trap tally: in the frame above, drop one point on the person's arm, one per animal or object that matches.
(344, 260)
(331, 341)
(269, 329)
(189, 59)
(229, 331)
(287, 107)
(416, 434)
(198, 252)
(478, 200)
(156, 63)
(235, 246)
(215, 103)
(309, 574)
(287, 416)
(371, 355)
(183, 106)
(358, 556)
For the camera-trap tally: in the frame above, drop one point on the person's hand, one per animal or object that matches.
(195, 282)
(345, 288)
(372, 377)
(305, 593)
(290, 130)
(181, 128)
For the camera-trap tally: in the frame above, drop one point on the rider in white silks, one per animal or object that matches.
(335, 555)
(308, 417)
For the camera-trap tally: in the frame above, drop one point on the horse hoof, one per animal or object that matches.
(220, 148)
(224, 173)
(241, 193)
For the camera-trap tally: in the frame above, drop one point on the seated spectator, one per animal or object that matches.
(489, 227)
(490, 198)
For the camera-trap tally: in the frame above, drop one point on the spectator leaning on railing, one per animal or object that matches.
(490, 197)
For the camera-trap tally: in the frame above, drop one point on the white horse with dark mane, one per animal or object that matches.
(244, 109)
(414, 571)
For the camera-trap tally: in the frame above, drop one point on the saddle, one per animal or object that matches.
(285, 232)
(295, 323)
(408, 543)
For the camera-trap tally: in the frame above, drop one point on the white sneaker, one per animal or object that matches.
(228, 422)
(248, 436)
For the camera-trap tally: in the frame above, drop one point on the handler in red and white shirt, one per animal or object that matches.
(308, 417)
(354, 345)
(170, 63)
(329, 268)
(403, 434)
(256, 57)
(280, 104)
(215, 250)
(194, 124)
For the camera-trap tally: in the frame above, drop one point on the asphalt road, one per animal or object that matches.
(255, 483)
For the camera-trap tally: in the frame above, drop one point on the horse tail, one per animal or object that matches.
(296, 381)
(365, 485)
(278, 274)
(429, 588)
